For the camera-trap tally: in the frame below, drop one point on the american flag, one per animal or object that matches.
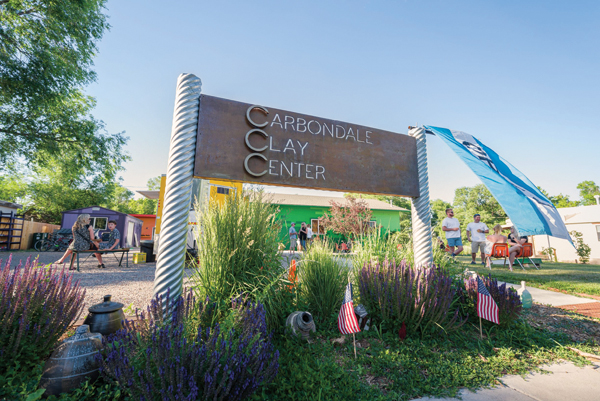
(486, 307)
(347, 322)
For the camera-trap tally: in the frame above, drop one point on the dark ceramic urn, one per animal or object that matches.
(105, 318)
(73, 361)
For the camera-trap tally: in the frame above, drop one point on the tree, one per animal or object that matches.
(587, 190)
(405, 218)
(559, 200)
(350, 219)
(154, 183)
(122, 200)
(583, 250)
(46, 53)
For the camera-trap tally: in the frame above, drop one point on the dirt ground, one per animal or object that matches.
(576, 326)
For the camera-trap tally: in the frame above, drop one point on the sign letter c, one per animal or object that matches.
(258, 131)
(250, 119)
(248, 168)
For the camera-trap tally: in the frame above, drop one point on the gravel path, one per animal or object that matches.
(132, 286)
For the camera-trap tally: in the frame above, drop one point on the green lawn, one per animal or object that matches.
(573, 278)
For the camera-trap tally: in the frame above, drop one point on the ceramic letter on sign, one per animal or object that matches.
(252, 143)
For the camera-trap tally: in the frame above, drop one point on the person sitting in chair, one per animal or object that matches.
(113, 242)
(498, 238)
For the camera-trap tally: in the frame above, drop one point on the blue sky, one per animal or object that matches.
(523, 77)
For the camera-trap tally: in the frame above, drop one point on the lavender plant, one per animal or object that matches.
(37, 306)
(187, 358)
(422, 298)
(507, 298)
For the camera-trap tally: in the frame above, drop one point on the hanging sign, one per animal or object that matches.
(251, 143)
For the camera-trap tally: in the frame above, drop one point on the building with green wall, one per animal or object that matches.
(308, 209)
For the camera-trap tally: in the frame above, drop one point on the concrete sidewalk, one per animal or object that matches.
(565, 382)
(553, 298)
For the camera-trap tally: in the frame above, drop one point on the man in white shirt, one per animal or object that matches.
(476, 234)
(309, 234)
(451, 228)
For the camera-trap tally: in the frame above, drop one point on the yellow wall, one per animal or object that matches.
(161, 201)
(233, 188)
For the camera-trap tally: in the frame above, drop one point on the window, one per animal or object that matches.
(223, 190)
(99, 223)
(317, 227)
(598, 232)
(372, 224)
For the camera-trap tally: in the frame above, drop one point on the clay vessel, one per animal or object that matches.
(72, 362)
(302, 323)
(105, 318)
(526, 298)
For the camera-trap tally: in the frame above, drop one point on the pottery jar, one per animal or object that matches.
(105, 318)
(72, 362)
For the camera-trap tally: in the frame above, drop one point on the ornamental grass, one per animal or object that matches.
(323, 278)
(37, 306)
(188, 358)
(423, 298)
(237, 248)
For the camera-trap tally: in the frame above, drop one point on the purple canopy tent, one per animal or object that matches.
(129, 227)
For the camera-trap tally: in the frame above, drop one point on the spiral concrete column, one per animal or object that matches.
(180, 170)
(421, 208)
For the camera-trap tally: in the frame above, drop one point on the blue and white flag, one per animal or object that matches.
(529, 210)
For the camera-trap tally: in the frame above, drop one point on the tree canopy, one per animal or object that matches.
(587, 190)
(46, 53)
(350, 218)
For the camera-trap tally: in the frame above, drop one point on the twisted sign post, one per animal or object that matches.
(421, 208)
(171, 248)
(216, 138)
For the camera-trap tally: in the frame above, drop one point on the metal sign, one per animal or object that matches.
(250, 143)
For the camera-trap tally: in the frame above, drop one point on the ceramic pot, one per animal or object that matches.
(72, 362)
(105, 318)
(526, 298)
(301, 322)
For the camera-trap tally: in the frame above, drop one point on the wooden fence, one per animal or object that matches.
(32, 227)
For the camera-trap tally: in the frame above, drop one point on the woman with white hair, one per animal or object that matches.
(83, 235)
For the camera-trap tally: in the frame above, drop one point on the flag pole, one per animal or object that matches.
(353, 335)
(480, 330)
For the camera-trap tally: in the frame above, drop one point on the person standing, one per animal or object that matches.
(309, 234)
(451, 227)
(302, 236)
(293, 237)
(476, 231)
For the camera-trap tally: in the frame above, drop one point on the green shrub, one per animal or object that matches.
(323, 278)
(237, 248)
(583, 250)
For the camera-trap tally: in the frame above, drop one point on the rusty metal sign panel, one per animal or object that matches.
(251, 143)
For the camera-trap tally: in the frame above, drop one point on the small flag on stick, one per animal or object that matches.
(347, 322)
(292, 275)
(486, 307)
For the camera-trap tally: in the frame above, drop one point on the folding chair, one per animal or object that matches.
(498, 251)
(526, 252)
